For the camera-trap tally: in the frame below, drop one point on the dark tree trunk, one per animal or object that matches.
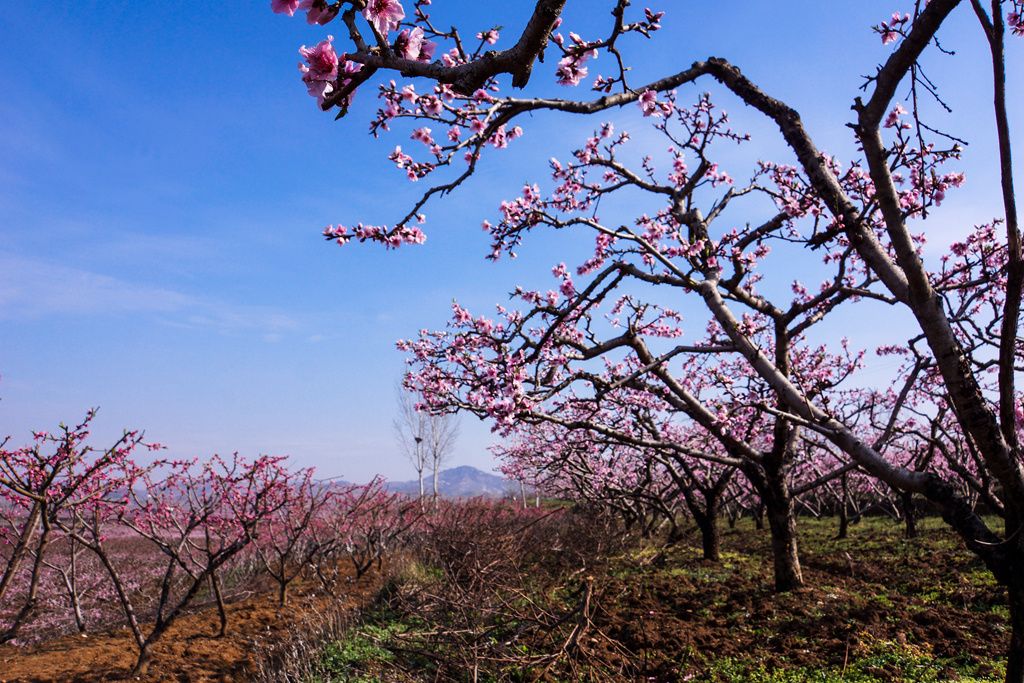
(675, 534)
(33, 590)
(782, 523)
(222, 612)
(704, 509)
(142, 662)
(645, 530)
(784, 552)
(769, 480)
(1015, 656)
(844, 515)
(909, 514)
(1015, 594)
(710, 537)
(20, 549)
(759, 517)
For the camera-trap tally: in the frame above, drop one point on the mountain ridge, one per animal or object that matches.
(462, 481)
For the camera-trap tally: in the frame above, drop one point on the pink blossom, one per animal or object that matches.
(384, 15)
(317, 11)
(423, 135)
(284, 6)
(321, 59)
(431, 105)
(320, 70)
(490, 36)
(571, 70)
(653, 18)
(893, 118)
(892, 29)
(1016, 23)
(411, 45)
(649, 103)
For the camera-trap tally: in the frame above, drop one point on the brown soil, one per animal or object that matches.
(188, 651)
(876, 607)
(678, 613)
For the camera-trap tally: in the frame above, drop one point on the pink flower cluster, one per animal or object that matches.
(411, 44)
(317, 11)
(391, 239)
(895, 27)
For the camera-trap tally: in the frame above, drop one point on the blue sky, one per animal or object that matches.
(164, 178)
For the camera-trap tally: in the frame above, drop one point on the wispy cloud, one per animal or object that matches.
(34, 289)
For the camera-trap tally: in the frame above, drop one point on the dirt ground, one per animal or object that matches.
(876, 608)
(878, 602)
(188, 651)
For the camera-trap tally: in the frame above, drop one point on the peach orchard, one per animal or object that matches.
(595, 384)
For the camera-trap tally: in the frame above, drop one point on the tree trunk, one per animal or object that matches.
(142, 663)
(909, 514)
(675, 534)
(282, 583)
(20, 549)
(782, 523)
(844, 523)
(76, 603)
(435, 486)
(1013, 578)
(33, 591)
(122, 596)
(710, 537)
(222, 612)
(759, 517)
(1015, 655)
(844, 515)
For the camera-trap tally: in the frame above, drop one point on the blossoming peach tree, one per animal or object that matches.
(92, 537)
(753, 384)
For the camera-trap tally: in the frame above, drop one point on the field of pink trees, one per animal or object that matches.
(100, 537)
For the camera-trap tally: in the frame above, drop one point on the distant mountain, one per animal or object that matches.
(458, 482)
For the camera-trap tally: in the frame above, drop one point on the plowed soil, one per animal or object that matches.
(188, 651)
(875, 593)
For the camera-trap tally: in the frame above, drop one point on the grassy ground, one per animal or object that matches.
(877, 608)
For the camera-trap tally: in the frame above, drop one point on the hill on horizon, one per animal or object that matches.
(464, 481)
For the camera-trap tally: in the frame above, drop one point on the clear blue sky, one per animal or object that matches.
(164, 178)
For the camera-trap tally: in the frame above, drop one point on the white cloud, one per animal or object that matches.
(33, 289)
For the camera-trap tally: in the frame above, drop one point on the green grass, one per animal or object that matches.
(351, 659)
(884, 662)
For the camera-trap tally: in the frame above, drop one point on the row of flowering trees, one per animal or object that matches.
(595, 378)
(95, 537)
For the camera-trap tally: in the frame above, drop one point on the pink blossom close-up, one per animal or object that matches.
(384, 15)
